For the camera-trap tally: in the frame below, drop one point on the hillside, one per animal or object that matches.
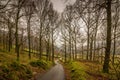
(25, 69)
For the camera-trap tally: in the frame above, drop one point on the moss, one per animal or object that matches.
(15, 71)
(41, 63)
(77, 71)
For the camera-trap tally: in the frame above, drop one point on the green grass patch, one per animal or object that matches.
(77, 71)
(94, 70)
(32, 51)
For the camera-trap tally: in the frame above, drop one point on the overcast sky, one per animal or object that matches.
(60, 5)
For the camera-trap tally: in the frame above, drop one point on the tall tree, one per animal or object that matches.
(42, 7)
(108, 39)
(115, 22)
(19, 5)
(29, 9)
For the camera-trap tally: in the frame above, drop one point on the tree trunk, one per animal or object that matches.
(87, 44)
(48, 49)
(94, 53)
(29, 39)
(40, 47)
(108, 40)
(73, 54)
(40, 41)
(52, 47)
(16, 35)
(75, 47)
(70, 44)
(98, 52)
(91, 47)
(114, 48)
(65, 51)
(10, 36)
(4, 38)
(82, 52)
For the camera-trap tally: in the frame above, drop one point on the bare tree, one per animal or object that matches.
(115, 26)
(54, 25)
(29, 9)
(108, 40)
(42, 7)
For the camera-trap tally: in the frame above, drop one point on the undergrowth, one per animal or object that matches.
(41, 63)
(15, 71)
(77, 71)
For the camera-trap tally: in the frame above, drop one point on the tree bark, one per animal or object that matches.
(70, 44)
(108, 40)
(29, 38)
(16, 34)
(52, 47)
(10, 36)
(40, 41)
(75, 47)
(82, 52)
(88, 41)
(91, 47)
(65, 51)
(114, 48)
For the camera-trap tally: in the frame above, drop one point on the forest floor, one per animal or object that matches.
(24, 69)
(84, 70)
(30, 69)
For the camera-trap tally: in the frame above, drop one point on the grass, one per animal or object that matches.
(8, 57)
(94, 70)
(86, 70)
(15, 71)
(115, 70)
(10, 69)
(41, 63)
(77, 71)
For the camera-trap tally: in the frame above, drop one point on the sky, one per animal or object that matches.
(59, 5)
